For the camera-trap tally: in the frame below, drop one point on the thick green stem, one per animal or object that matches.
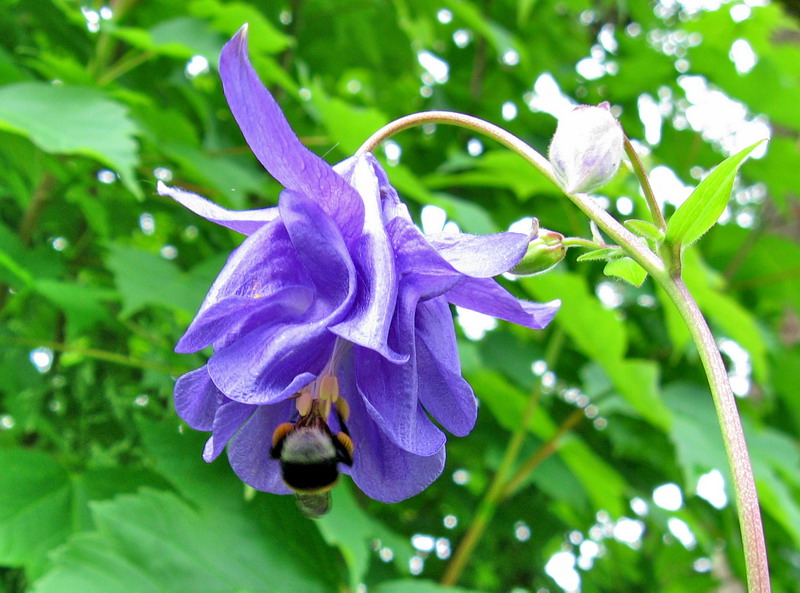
(744, 484)
(668, 276)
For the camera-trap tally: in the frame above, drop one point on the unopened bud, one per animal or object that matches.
(545, 251)
(587, 148)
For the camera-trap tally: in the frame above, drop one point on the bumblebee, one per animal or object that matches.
(310, 454)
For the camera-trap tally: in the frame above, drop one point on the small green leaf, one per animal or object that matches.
(627, 269)
(606, 253)
(707, 202)
(644, 229)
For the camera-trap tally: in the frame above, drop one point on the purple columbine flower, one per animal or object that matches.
(333, 316)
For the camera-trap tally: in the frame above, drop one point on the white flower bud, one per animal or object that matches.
(587, 148)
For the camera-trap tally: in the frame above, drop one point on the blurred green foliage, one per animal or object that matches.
(102, 489)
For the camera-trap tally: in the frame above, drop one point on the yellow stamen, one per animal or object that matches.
(329, 388)
(325, 408)
(303, 403)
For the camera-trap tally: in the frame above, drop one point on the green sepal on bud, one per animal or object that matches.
(544, 252)
(587, 148)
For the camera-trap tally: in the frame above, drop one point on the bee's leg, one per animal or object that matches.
(277, 438)
(344, 448)
(344, 443)
(343, 414)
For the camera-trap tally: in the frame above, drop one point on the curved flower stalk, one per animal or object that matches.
(588, 157)
(335, 309)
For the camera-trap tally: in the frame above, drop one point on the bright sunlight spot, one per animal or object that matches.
(668, 496)
(432, 219)
(474, 324)
(711, 487)
(740, 369)
(547, 97)
(629, 531)
(561, 568)
(682, 533)
(42, 359)
(436, 67)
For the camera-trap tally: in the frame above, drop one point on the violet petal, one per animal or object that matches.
(445, 394)
(390, 397)
(381, 469)
(390, 390)
(321, 249)
(270, 364)
(227, 420)
(367, 323)
(276, 145)
(484, 295)
(264, 263)
(234, 314)
(248, 450)
(391, 204)
(480, 256)
(246, 222)
(197, 399)
(414, 253)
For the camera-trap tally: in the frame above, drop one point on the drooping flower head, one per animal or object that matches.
(333, 340)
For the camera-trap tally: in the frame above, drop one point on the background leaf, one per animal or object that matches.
(154, 542)
(85, 122)
(35, 507)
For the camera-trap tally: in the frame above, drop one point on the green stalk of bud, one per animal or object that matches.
(587, 148)
(544, 252)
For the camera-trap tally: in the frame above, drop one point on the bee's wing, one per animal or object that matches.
(314, 505)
